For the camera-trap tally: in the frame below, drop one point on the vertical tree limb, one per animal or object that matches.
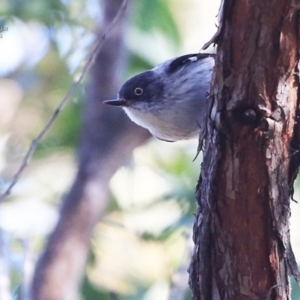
(107, 141)
(241, 233)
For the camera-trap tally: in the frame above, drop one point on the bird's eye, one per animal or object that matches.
(138, 91)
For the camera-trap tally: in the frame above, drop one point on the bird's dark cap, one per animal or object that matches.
(116, 102)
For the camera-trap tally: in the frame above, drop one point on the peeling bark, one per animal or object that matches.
(241, 232)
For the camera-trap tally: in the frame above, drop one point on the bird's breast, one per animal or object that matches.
(166, 124)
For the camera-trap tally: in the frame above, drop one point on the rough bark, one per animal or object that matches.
(241, 232)
(107, 141)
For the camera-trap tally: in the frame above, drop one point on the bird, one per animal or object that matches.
(171, 100)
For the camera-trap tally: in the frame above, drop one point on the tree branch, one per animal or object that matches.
(108, 31)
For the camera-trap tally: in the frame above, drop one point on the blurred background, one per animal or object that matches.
(140, 246)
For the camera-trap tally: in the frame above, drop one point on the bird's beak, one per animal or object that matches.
(116, 102)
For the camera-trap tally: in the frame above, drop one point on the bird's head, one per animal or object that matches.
(140, 92)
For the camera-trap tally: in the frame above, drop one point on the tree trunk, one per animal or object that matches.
(107, 141)
(251, 157)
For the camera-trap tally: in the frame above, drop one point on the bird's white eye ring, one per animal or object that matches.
(138, 91)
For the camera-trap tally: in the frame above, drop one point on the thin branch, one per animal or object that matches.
(64, 101)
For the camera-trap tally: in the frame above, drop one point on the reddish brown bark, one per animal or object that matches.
(242, 226)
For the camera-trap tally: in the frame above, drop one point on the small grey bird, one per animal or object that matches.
(170, 100)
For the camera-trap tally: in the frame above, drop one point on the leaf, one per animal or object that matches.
(156, 15)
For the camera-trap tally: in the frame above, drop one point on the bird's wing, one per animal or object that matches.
(180, 61)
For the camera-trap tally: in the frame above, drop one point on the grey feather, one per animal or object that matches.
(171, 99)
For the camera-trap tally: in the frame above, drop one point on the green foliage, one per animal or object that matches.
(138, 63)
(295, 289)
(182, 173)
(64, 134)
(155, 15)
(45, 12)
(90, 292)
